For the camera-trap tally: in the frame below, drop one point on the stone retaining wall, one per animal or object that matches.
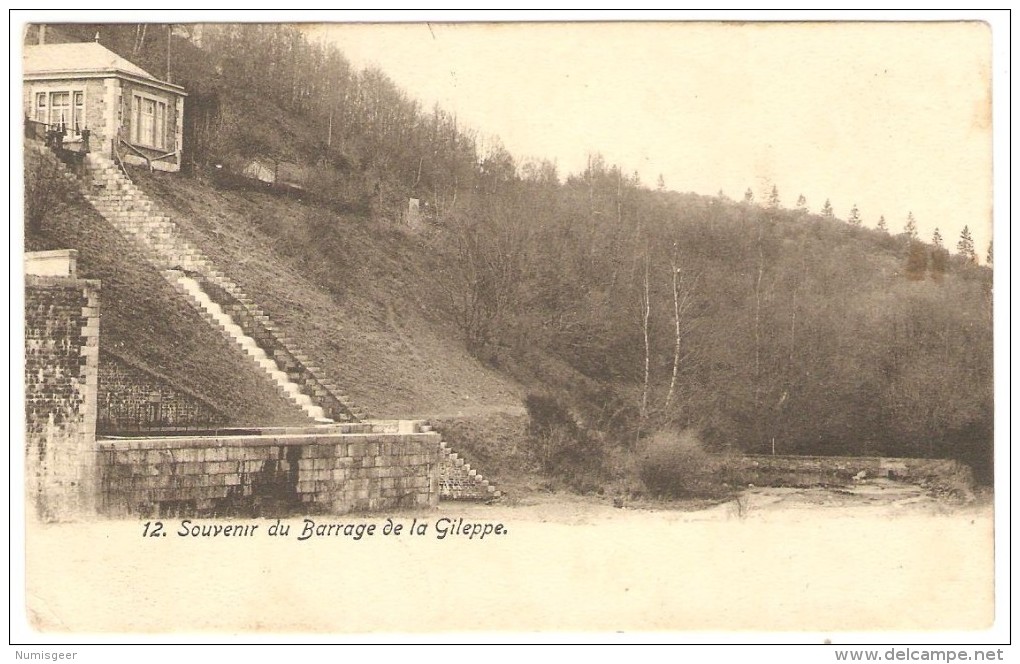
(800, 471)
(269, 474)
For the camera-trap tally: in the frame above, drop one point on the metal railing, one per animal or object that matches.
(55, 135)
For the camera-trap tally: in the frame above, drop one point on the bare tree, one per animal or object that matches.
(646, 305)
(683, 291)
(757, 310)
(139, 37)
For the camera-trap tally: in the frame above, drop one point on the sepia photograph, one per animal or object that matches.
(457, 330)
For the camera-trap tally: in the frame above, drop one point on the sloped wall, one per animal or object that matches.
(133, 399)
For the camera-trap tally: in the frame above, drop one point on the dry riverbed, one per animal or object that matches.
(877, 555)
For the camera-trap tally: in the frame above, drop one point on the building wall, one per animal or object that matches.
(97, 105)
(53, 263)
(269, 474)
(132, 399)
(61, 371)
(174, 124)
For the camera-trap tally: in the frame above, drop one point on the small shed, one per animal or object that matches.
(258, 169)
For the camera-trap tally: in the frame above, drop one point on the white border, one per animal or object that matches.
(999, 21)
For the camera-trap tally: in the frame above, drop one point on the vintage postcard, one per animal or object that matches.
(679, 330)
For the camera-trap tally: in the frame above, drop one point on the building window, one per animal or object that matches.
(148, 122)
(61, 108)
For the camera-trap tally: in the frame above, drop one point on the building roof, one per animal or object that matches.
(83, 59)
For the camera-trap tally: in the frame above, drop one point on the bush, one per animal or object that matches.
(562, 448)
(547, 414)
(343, 193)
(45, 190)
(675, 465)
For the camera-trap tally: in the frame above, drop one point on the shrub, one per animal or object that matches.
(546, 414)
(45, 190)
(562, 448)
(675, 465)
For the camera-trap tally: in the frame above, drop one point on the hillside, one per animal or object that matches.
(354, 296)
(149, 325)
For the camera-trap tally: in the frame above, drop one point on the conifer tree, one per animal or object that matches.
(801, 203)
(911, 228)
(748, 196)
(965, 246)
(827, 209)
(774, 198)
(882, 226)
(939, 257)
(855, 216)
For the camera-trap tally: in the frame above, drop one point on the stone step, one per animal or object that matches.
(135, 214)
(250, 347)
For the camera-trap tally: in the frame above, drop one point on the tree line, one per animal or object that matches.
(762, 328)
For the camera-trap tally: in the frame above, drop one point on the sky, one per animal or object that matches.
(892, 117)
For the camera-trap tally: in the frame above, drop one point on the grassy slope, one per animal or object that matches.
(370, 322)
(365, 320)
(148, 323)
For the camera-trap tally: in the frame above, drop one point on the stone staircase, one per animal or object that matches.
(457, 479)
(112, 193)
(215, 314)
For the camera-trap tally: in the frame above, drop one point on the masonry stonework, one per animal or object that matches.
(61, 372)
(806, 471)
(135, 399)
(269, 474)
(162, 158)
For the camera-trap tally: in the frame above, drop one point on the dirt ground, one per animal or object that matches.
(874, 556)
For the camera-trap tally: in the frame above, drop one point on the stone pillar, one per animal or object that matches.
(179, 132)
(61, 376)
(413, 213)
(112, 119)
